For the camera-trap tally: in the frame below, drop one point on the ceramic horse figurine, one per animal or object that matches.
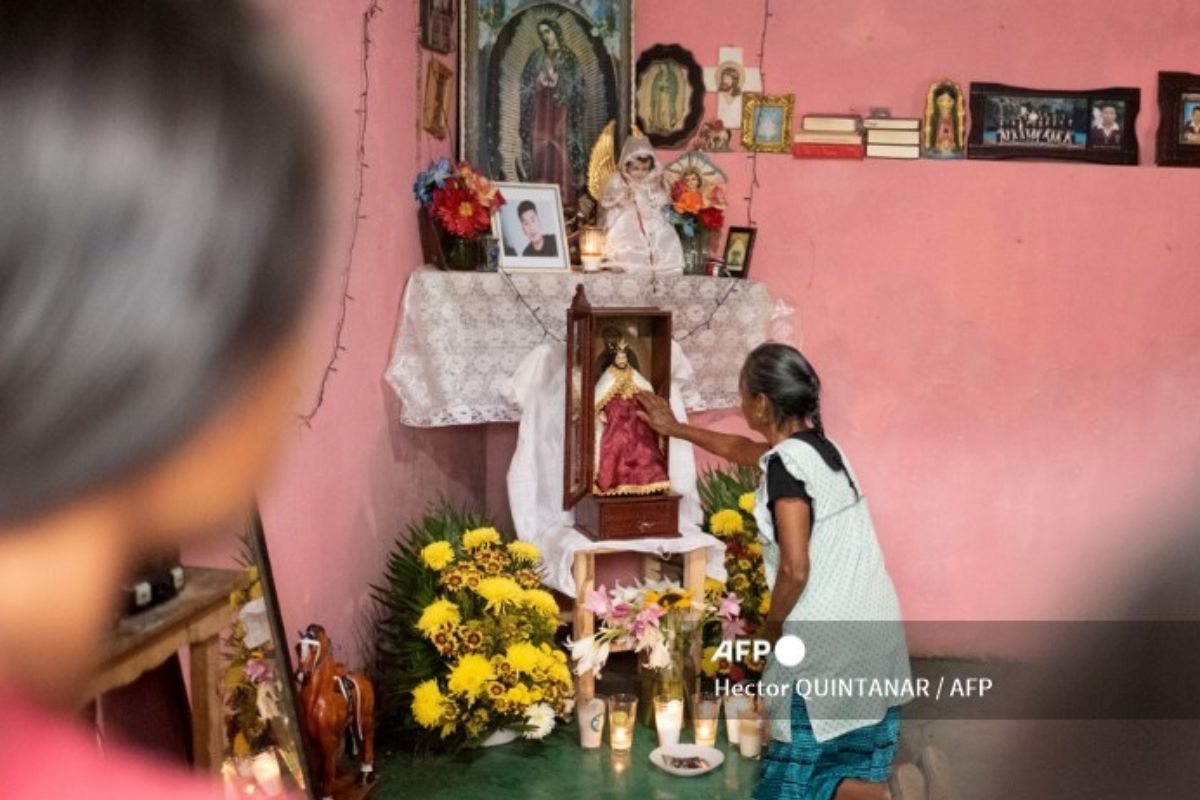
(335, 706)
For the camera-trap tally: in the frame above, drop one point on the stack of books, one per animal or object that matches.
(829, 136)
(893, 137)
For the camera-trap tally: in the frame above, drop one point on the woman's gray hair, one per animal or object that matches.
(159, 219)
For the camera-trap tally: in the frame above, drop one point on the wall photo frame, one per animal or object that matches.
(739, 247)
(1178, 140)
(530, 229)
(1097, 125)
(669, 95)
(435, 116)
(437, 25)
(767, 122)
(538, 82)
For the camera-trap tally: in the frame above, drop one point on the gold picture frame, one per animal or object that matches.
(767, 122)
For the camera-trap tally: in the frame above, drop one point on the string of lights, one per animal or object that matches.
(357, 217)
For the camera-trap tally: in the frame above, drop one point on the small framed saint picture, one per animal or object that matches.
(767, 122)
(437, 25)
(530, 228)
(739, 246)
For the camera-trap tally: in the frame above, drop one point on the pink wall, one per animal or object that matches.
(347, 486)
(1006, 347)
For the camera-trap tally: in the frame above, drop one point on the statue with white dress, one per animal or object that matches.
(638, 235)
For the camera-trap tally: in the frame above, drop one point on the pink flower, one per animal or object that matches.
(730, 608)
(259, 670)
(733, 628)
(597, 602)
(647, 616)
(619, 611)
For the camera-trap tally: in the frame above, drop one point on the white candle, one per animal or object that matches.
(668, 718)
(706, 732)
(735, 709)
(591, 722)
(621, 738)
(590, 263)
(265, 769)
(750, 737)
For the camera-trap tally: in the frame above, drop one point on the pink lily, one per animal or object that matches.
(647, 616)
(730, 607)
(597, 602)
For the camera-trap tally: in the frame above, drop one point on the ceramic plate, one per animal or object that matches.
(662, 757)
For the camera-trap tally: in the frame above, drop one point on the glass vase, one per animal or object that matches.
(695, 251)
(464, 254)
(671, 681)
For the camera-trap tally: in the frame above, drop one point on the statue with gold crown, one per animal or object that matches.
(629, 458)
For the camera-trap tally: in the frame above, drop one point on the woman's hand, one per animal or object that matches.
(656, 412)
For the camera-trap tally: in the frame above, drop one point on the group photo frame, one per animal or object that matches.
(1096, 125)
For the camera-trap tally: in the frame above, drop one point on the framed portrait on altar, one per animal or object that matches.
(615, 467)
(529, 228)
(538, 82)
(1178, 142)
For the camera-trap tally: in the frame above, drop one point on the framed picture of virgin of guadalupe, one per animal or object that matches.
(538, 81)
(616, 473)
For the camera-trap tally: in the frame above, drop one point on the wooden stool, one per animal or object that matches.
(584, 571)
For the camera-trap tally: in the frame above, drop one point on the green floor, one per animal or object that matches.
(558, 769)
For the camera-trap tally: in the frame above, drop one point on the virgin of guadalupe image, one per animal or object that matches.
(629, 458)
(552, 108)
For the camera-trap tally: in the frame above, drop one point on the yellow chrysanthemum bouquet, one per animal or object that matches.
(466, 646)
(727, 495)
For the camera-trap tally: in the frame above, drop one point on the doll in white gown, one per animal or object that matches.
(638, 236)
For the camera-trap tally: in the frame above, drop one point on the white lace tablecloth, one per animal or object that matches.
(462, 334)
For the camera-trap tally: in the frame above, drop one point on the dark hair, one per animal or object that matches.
(781, 374)
(158, 226)
(525, 205)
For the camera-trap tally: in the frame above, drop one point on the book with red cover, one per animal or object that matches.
(813, 150)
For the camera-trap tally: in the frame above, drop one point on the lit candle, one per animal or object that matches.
(591, 248)
(706, 732)
(622, 712)
(750, 733)
(229, 779)
(265, 769)
(668, 718)
(591, 722)
(735, 709)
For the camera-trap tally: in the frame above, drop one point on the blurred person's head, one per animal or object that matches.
(158, 225)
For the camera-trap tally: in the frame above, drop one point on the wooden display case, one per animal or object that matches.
(615, 466)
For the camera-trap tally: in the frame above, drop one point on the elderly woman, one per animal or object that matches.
(829, 586)
(157, 232)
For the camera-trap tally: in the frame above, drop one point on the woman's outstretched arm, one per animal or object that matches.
(656, 413)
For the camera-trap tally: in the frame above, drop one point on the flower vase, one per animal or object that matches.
(671, 681)
(500, 736)
(695, 251)
(464, 254)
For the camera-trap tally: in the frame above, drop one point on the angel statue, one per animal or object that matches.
(638, 236)
(629, 457)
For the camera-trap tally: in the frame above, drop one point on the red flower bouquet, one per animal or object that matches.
(460, 199)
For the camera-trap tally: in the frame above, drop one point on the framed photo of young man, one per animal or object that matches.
(530, 228)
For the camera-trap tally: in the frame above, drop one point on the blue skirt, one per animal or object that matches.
(805, 769)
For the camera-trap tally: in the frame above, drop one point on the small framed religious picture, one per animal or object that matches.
(739, 246)
(530, 228)
(1092, 125)
(767, 122)
(1178, 120)
(437, 25)
(436, 115)
(669, 95)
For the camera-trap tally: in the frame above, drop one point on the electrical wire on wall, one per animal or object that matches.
(357, 216)
(762, 53)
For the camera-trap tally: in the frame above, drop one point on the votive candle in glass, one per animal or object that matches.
(750, 732)
(735, 708)
(591, 722)
(622, 713)
(705, 711)
(668, 718)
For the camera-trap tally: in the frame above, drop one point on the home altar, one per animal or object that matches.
(461, 336)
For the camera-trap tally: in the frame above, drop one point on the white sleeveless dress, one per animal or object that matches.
(848, 615)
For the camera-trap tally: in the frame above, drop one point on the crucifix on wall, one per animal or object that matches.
(730, 78)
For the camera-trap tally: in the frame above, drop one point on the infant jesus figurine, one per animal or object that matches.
(638, 236)
(629, 458)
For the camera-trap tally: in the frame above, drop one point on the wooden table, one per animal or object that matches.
(194, 619)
